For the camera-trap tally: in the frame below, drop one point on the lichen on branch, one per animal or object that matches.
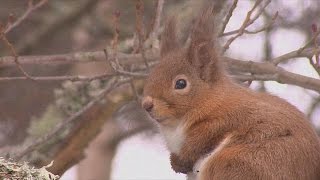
(22, 171)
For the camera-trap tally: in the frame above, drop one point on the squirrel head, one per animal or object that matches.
(181, 81)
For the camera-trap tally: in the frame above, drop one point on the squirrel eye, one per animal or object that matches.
(180, 84)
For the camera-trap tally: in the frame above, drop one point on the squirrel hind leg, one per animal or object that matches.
(231, 173)
(228, 166)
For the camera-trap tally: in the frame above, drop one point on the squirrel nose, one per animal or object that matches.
(147, 103)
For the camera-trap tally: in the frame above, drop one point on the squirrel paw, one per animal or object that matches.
(179, 165)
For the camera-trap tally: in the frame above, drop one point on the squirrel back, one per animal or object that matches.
(217, 129)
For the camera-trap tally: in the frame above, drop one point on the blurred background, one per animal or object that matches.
(129, 146)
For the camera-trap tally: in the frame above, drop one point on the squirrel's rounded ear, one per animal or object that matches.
(169, 41)
(202, 52)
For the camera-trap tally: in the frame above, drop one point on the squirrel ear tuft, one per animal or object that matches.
(202, 51)
(169, 40)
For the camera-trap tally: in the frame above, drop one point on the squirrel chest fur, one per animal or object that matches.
(174, 137)
(216, 129)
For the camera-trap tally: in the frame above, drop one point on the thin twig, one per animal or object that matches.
(290, 55)
(309, 42)
(139, 25)
(30, 9)
(59, 78)
(14, 54)
(133, 74)
(120, 70)
(229, 15)
(140, 30)
(77, 78)
(254, 31)
(247, 22)
(114, 62)
(242, 28)
(157, 19)
(316, 45)
(251, 21)
(298, 53)
(316, 64)
(265, 27)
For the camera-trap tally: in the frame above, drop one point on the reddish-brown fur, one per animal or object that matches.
(269, 138)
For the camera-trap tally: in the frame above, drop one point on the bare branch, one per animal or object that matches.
(31, 8)
(76, 78)
(14, 54)
(301, 52)
(314, 37)
(247, 22)
(115, 41)
(133, 74)
(125, 59)
(119, 70)
(79, 57)
(59, 78)
(235, 65)
(157, 19)
(315, 65)
(254, 31)
(262, 9)
(265, 27)
(315, 42)
(227, 19)
(268, 72)
(140, 30)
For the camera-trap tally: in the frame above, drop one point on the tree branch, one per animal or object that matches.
(235, 65)
(157, 19)
(269, 72)
(31, 7)
(247, 22)
(72, 58)
(14, 54)
(229, 15)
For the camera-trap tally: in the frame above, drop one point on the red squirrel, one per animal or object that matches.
(214, 128)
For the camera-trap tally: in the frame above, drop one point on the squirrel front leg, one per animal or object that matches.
(180, 165)
(184, 161)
